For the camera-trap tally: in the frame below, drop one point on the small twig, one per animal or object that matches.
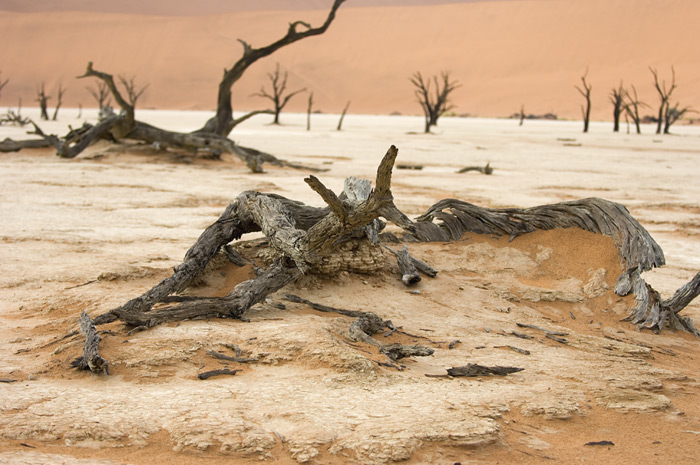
(515, 349)
(81, 285)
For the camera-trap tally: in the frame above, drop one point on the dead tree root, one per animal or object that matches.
(309, 240)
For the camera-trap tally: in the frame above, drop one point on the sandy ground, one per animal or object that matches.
(505, 53)
(91, 233)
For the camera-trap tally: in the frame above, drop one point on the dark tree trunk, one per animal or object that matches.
(222, 123)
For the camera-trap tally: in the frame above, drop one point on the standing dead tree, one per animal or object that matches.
(101, 94)
(632, 106)
(617, 98)
(437, 103)
(211, 139)
(585, 91)
(276, 95)
(133, 93)
(42, 99)
(342, 116)
(59, 100)
(2, 83)
(673, 114)
(343, 236)
(309, 108)
(664, 96)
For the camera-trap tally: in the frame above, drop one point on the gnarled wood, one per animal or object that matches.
(91, 358)
(306, 239)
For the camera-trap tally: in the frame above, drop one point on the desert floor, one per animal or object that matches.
(93, 232)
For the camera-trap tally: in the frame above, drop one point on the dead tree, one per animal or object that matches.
(2, 83)
(342, 237)
(222, 123)
(586, 93)
(632, 106)
(42, 99)
(673, 114)
(342, 116)
(434, 104)
(276, 95)
(212, 138)
(101, 94)
(59, 100)
(309, 107)
(522, 115)
(617, 97)
(132, 91)
(664, 96)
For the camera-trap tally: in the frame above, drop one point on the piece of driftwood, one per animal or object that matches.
(409, 273)
(417, 264)
(473, 369)
(209, 374)
(91, 358)
(546, 331)
(481, 169)
(599, 443)
(7, 380)
(228, 358)
(10, 145)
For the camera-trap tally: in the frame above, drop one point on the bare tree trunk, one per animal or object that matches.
(617, 96)
(59, 101)
(437, 104)
(42, 99)
(342, 116)
(586, 93)
(277, 97)
(664, 96)
(309, 107)
(221, 123)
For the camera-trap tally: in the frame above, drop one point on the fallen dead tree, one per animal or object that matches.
(212, 139)
(345, 236)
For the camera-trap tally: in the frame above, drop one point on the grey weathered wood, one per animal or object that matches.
(91, 358)
(473, 369)
(409, 273)
(481, 169)
(209, 374)
(10, 145)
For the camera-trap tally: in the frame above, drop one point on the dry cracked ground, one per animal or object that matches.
(91, 233)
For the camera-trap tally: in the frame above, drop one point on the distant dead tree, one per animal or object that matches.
(586, 93)
(2, 83)
(132, 91)
(673, 114)
(436, 104)
(664, 97)
(522, 115)
(101, 94)
(342, 116)
(42, 99)
(59, 100)
(617, 98)
(632, 105)
(309, 107)
(276, 95)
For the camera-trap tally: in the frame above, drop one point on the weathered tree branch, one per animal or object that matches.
(221, 123)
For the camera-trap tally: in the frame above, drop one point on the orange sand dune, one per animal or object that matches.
(505, 53)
